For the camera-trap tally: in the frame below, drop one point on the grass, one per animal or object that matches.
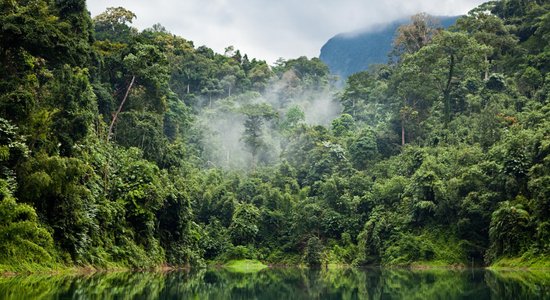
(526, 261)
(51, 268)
(28, 268)
(244, 266)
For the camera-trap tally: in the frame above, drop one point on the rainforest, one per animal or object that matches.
(134, 149)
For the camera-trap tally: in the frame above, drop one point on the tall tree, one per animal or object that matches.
(253, 136)
(114, 25)
(415, 35)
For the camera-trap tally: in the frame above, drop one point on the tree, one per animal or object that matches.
(113, 25)
(244, 224)
(413, 36)
(59, 189)
(365, 97)
(293, 118)
(22, 236)
(143, 130)
(509, 230)
(437, 71)
(139, 190)
(148, 66)
(491, 31)
(255, 114)
(259, 75)
(343, 125)
(363, 148)
(176, 230)
(313, 73)
(76, 105)
(13, 149)
(313, 252)
(23, 239)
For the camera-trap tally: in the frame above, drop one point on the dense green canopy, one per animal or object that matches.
(128, 148)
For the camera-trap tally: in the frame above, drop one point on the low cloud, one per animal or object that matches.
(268, 29)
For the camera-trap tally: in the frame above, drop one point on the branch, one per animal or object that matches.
(115, 116)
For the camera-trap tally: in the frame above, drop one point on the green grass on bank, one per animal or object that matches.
(28, 267)
(244, 266)
(54, 268)
(526, 261)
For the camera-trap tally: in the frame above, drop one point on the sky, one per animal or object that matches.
(270, 29)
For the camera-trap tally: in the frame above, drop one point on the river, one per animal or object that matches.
(283, 283)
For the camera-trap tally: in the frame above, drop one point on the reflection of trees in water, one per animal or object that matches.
(519, 284)
(432, 284)
(119, 285)
(283, 283)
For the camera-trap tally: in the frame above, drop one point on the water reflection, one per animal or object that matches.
(284, 283)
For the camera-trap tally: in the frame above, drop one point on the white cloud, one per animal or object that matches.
(268, 29)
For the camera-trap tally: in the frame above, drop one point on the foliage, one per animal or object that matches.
(244, 228)
(313, 251)
(24, 240)
(106, 157)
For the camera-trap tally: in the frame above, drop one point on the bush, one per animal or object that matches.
(313, 252)
(239, 252)
(22, 238)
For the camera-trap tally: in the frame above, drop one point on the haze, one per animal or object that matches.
(271, 29)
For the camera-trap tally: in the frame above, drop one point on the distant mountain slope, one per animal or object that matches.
(349, 53)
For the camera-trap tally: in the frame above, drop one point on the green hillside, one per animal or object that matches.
(349, 53)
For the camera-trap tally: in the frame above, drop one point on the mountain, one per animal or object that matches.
(348, 53)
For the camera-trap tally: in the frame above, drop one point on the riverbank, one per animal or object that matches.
(78, 270)
(525, 262)
(251, 266)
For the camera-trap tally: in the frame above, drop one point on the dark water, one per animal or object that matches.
(287, 283)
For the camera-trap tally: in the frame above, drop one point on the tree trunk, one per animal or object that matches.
(253, 163)
(402, 131)
(486, 68)
(447, 92)
(115, 116)
(403, 123)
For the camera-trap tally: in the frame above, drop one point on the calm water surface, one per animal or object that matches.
(284, 283)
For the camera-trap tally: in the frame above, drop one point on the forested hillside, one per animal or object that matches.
(352, 52)
(127, 148)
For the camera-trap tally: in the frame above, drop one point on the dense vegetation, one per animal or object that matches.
(128, 148)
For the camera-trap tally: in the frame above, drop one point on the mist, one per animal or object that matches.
(264, 29)
(223, 128)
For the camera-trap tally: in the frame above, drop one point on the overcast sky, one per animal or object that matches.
(269, 29)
